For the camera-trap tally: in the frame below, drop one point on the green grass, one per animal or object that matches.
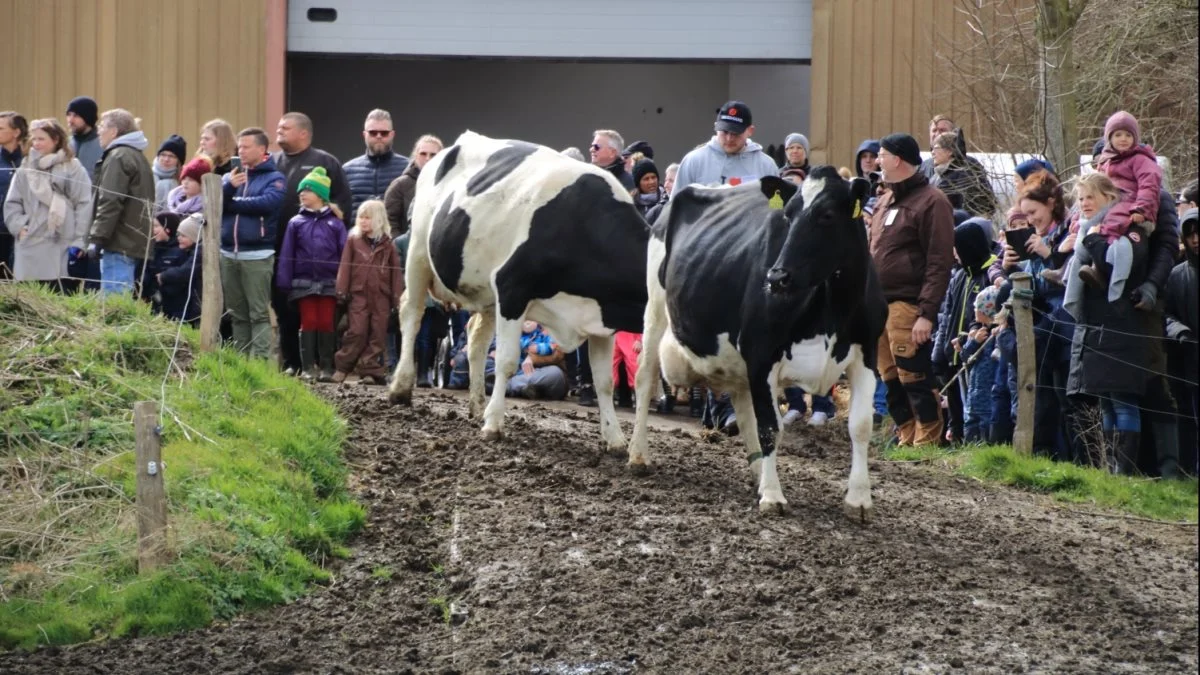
(1167, 500)
(253, 471)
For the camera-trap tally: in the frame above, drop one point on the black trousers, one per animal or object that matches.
(289, 329)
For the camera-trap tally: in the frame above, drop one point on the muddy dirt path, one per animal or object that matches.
(541, 554)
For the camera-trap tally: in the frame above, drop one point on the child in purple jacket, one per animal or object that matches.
(308, 267)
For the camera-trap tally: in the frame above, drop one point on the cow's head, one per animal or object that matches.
(825, 230)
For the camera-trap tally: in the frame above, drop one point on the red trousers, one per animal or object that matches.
(624, 355)
(316, 313)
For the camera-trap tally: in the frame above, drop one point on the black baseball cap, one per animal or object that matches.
(734, 117)
(639, 146)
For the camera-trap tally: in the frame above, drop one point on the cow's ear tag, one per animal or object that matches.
(857, 209)
(776, 202)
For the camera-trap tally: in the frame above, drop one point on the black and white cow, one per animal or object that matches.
(757, 287)
(514, 230)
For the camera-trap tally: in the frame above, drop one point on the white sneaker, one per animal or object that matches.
(818, 419)
(791, 417)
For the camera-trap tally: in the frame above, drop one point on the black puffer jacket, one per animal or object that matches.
(369, 177)
(1183, 309)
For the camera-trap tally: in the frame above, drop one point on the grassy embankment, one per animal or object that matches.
(253, 472)
(1167, 500)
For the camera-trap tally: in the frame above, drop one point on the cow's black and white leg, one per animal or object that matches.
(862, 392)
(508, 357)
(418, 278)
(479, 338)
(600, 353)
(758, 424)
(654, 324)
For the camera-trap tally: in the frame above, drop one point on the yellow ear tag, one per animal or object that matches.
(776, 202)
(857, 209)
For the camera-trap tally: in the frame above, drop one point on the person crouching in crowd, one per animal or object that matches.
(164, 253)
(973, 252)
(180, 283)
(542, 370)
(977, 357)
(369, 283)
(188, 197)
(308, 272)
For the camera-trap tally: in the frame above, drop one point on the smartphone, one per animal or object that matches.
(1016, 239)
(235, 163)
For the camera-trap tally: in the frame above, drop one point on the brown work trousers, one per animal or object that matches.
(907, 371)
(365, 337)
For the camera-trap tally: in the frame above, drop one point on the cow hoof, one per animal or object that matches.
(772, 508)
(400, 397)
(640, 468)
(859, 513)
(490, 435)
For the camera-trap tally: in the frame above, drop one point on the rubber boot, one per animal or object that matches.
(1125, 452)
(1166, 441)
(308, 355)
(326, 346)
(425, 368)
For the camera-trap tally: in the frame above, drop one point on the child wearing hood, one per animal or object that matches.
(1121, 238)
(308, 271)
(973, 251)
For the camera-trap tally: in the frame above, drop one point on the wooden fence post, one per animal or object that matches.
(151, 496)
(212, 298)
(1022, 306)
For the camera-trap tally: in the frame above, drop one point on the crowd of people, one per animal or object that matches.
(1112, 258)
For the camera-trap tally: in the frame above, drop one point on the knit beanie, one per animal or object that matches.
(86, 108)
(794, 138)
(169, 221)
(1122, 121)
(190, 227)
(903, 146)
(196, 168)
(988, 302)
(1024, 169)
(643, 167)
(317, 181)
(176, 146)
(1016, 215)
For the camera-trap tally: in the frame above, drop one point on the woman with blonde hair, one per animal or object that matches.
(49, 206)
(217, 141)
(399, 196)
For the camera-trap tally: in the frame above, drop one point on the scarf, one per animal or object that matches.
(1086, 224)
(650, 198)
(179, 202)
(163, 174)
(42, 185)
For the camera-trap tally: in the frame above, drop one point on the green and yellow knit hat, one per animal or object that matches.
(317, 181)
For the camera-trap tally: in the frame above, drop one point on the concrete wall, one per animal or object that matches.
(672, 105)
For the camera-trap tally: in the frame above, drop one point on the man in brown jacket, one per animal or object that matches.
(912, 244)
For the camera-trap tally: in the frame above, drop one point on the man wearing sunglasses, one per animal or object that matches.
(370, 174)
(606, 153)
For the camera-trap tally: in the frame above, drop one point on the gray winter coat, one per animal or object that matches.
(41, 254)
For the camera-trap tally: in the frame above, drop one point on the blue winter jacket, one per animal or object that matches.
(251, 212)
(980, 377)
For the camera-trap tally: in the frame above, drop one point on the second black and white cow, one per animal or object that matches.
(756, 287)
(514, 230)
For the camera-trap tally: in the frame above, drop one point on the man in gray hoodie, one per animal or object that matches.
(124, 214)
(729, 157)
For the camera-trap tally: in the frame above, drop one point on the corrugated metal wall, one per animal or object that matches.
(174, 63)
(876, 70)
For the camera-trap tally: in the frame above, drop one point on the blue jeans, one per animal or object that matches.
(821, 404)
(117, 273)
(880, 397)
(1119, 412)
